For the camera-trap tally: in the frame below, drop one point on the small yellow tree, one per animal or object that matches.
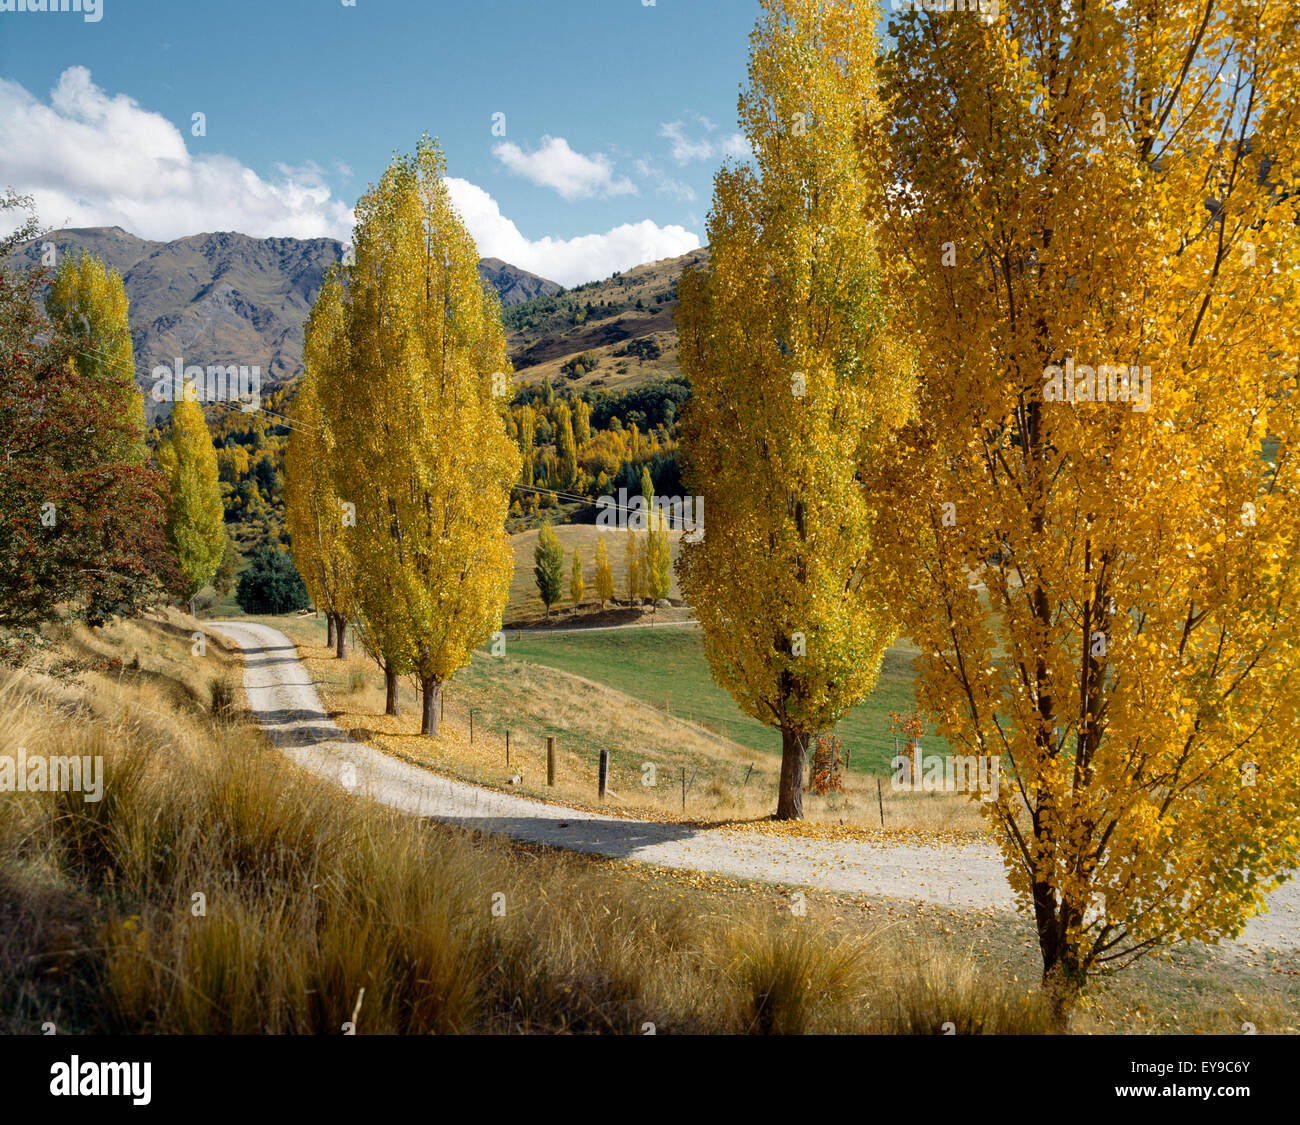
(195, 526)
(632, 559)
(576, 587)
(604, 574)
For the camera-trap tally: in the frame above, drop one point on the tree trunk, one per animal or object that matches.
(329, 630)
(794, 748)
(390, 692)
(340, 636)
(430, 690)
(1063, 979)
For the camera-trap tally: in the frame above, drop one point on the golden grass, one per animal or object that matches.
(217, 889)
(310, 896)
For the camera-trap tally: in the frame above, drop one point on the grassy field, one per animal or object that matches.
(526, 605)
(727, 781)
(667, 668)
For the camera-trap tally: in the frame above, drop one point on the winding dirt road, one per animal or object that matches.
(284, 700)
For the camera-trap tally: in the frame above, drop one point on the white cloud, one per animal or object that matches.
(89, 159)
(570, 261)
(555, 165)
(665, 184)
(686, 149)
(94, 160)
(737, 145)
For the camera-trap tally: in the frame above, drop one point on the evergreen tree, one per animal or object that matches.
(548, 558)
(271, 584)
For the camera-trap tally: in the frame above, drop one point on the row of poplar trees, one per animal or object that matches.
(1105, 598)
(399, 469)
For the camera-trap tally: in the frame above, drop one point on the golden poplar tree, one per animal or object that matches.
(632, 563)
(567, 449)
(315, 517)
(88, 302)
(527, 436)
(87, 307)
(793, 379)
(576, 587)
(604, 573)
(195, 524)
(421, 444)
(1097, 512)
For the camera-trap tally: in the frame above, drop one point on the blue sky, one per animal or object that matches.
(617, 113)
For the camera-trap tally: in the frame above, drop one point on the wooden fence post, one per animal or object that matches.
(881, 801)
(507, 746)
(604, 773)
(550, 761)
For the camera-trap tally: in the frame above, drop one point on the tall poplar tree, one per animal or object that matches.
(317, 521)
(87, 306)
(1098, 509)
(793, 379)
(87, 301)
(604, 573)
(421, 444)
(195, 523)
(576, 587)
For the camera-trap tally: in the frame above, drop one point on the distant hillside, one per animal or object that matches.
(227, 298)
(515, 285)
(624, 324)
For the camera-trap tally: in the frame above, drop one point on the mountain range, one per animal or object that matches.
(227, 298)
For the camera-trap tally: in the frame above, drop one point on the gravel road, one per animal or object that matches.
(284, 699)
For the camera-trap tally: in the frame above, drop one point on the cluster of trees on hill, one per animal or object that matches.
(567, 308)
(1103, 585)
(648, 561)
(594, 443)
